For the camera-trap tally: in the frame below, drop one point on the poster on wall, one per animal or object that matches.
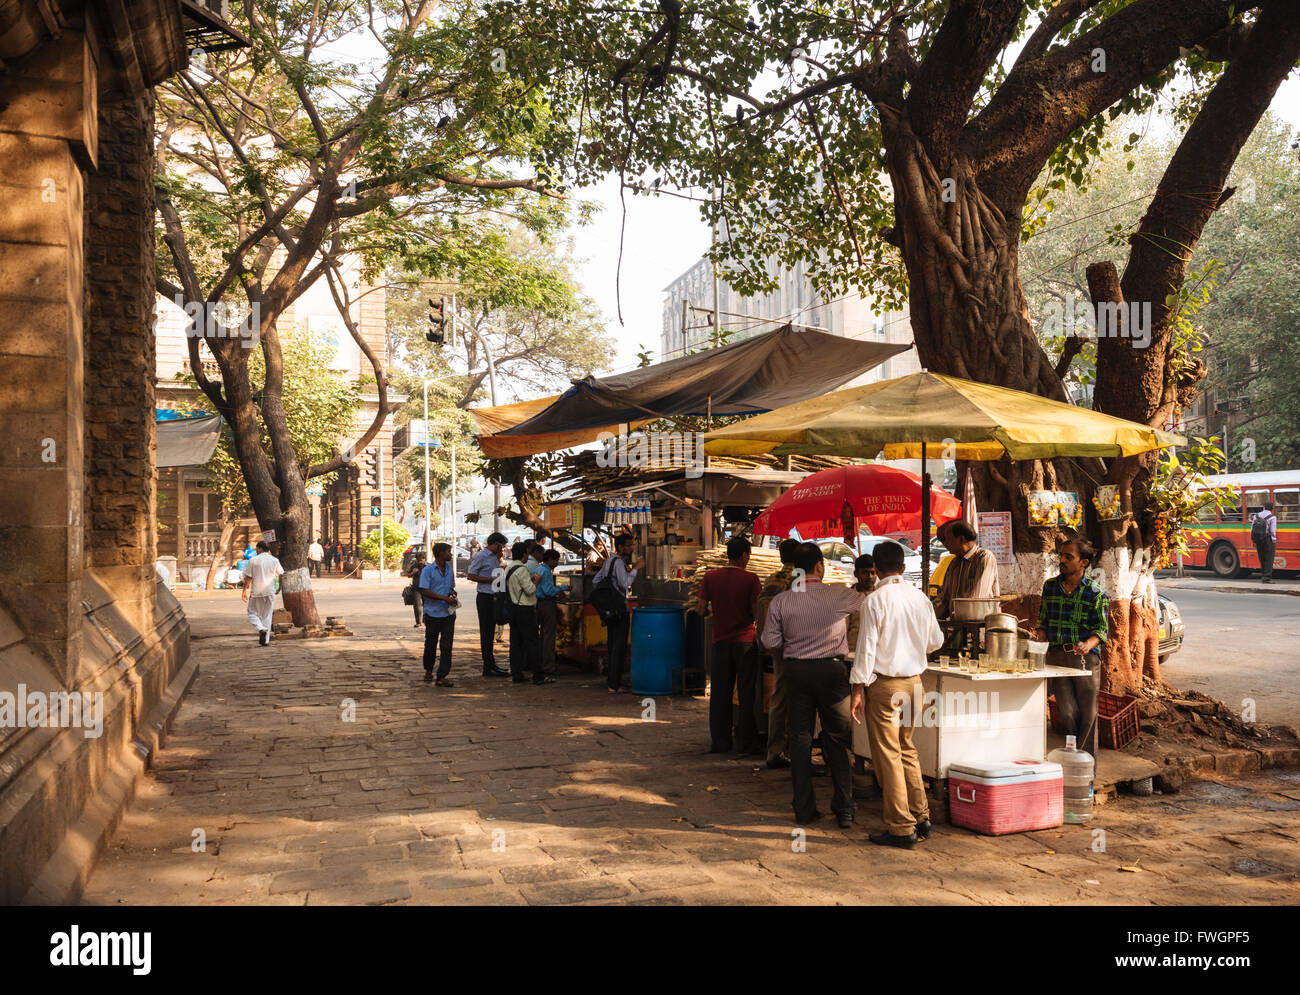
(994, 528)
(1048, 508)
(1106, 501)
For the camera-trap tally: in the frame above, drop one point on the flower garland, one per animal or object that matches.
(1108, 510)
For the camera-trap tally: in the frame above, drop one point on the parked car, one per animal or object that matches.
(838, 552)
(1171, 627)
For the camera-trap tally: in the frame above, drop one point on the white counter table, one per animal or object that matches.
(966, 717)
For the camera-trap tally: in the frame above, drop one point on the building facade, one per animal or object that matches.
(795, 300)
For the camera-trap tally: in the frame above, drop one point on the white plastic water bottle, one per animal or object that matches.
(1077, 769)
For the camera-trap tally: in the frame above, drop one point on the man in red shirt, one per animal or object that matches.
(732, 593)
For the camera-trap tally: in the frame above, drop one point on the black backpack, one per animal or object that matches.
(1259, 528)
(608, 600)
(501, 600)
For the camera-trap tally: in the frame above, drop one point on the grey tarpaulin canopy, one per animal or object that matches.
(187, 441)
(749, 377)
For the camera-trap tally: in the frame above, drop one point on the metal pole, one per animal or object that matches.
(381, 511)
(925, 524)
(427, 552)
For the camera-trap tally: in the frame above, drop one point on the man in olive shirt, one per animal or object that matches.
(778, 741)
(973, 572)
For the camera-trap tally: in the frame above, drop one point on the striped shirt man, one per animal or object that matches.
(809, 624)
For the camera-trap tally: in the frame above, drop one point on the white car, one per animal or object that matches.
(836, 551)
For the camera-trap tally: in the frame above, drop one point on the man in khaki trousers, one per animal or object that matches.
(897, 630)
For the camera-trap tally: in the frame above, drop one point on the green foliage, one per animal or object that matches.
(321, 408)
(1180, 489)
(395, 539)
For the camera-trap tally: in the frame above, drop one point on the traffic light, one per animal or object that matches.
(369, 467)
(437, 321)
(375, 507)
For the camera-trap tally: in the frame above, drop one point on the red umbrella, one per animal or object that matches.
(883, 498)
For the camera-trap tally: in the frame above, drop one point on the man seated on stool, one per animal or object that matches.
(1072, 618)
(897, 631)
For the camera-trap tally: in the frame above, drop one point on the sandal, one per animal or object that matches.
(445, 682)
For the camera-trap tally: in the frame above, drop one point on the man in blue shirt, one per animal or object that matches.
(438, 585)
(483, 569)
(548, 611)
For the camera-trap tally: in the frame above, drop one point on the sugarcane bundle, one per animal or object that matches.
(762, 561)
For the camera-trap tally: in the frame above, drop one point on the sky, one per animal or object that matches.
(665, 235)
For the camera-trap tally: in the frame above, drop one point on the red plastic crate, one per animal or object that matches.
(1117, 719)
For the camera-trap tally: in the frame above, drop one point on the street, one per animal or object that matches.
(491, 793)
(1238, 647)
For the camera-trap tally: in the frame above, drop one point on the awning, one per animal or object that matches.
(187, 441)
(491, 421)
(749, 377)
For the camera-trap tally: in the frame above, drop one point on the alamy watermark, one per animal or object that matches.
(654, 449)
(950, 710)
(1075, 316)
(54, 709)
(220, 320)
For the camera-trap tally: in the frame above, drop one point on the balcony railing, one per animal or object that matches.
(201, 548)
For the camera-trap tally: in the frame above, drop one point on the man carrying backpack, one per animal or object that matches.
(609, 596)
(1263, 533)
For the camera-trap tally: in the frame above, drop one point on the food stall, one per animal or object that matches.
(931, 414)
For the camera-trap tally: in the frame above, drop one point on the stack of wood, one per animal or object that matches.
(763, 562)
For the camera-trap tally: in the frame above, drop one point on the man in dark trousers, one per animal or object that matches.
(807, 623)
(732, 593)
(1263, 533)
(777, 741)
(438, 588)
(525, 643)
(548, 611)
(622, 576)
(1072, 618)
(484, 568)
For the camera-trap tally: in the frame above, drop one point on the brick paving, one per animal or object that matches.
(492, 793)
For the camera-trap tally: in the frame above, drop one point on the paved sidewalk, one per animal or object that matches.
(1207, 580)
(495, 793)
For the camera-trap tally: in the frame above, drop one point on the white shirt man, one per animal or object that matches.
(260, 575)
(897, 630)
(315, 553)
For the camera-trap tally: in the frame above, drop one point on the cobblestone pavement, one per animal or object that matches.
(514, 794)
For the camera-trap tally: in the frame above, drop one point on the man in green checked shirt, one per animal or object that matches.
(1072, 618)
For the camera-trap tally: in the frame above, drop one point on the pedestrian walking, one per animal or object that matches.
(807, 624)
(338, 555)
(1263, 533)
(1072, 619)
(315, 553)
(484, 569)
(778, 742)
(730, 596)
(521, 590)
(438, 589)
(548, 611)
(417, 599)
(897, 630)
(617, 576)
(260, 583)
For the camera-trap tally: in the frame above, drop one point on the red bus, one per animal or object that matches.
(1221, 538)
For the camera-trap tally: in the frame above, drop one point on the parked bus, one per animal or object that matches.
(1221, 538)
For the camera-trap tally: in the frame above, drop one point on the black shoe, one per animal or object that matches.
(428, 677)
(808, 821)
(923, 830)
(907, 842)
(845, 820)
(496, 672)
(779, 762)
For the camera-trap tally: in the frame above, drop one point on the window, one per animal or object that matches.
(204, 512)
(1231, 508)
(1208, 515)
(1286, 504)
(1255, 501)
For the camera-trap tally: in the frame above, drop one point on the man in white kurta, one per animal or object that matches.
(260, 575)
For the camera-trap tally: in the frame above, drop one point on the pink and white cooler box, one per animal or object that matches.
(1009, 796)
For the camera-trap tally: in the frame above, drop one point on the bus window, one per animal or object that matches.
(1286, 504)
(1255, 501)
(1230, 510)
(1208, 514)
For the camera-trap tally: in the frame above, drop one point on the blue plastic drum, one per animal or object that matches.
(658, 647)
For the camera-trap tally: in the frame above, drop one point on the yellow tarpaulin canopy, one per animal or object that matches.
(490, 421)
(955, 418)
